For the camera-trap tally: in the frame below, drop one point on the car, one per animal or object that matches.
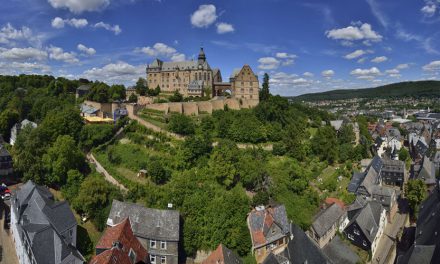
(5, 194)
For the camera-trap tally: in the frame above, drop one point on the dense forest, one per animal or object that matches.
(207, 177)
(417, 89)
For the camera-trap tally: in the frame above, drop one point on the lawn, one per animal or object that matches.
(332, 183)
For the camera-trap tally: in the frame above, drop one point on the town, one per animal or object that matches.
(186, 132)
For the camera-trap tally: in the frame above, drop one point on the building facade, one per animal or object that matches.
(158, 231)
(6, 165)
(44, 231)
(177, 76)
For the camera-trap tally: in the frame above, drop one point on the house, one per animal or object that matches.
(119, 245)
(15, 130)
(387, 197)
(6, 165)
(326, 223)
(87, 110)
(366, 226)
(336, 124)
(270, 230)
(427, 173)
(300, 249)
(426, 247)
(222, 255)
(83, 90)
(393, 172)
(157, 230)
(44, 231)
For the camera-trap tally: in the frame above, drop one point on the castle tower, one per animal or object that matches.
(202, 56)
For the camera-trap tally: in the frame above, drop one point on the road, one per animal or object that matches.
(108, 177)
(7, 249)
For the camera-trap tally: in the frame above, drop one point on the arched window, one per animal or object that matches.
(204, 76)
(200, 76)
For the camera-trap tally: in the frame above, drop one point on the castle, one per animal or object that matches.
(197, 78)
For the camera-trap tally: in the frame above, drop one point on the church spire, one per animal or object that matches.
(202, 56)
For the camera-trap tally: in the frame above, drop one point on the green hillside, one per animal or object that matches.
(403, 89)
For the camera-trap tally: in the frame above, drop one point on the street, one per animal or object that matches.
(7, 249)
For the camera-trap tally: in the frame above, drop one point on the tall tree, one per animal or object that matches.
(415, 192)
(264, 93)
(141, 87)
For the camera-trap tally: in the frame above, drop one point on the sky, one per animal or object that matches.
(305, 46)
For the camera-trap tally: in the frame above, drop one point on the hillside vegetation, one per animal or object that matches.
(404, 89)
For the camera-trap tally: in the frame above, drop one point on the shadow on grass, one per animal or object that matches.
(84, 243)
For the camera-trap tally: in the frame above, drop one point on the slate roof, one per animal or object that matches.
(43, 221)
(147, 222)
(368, 219)
(383, 195)
(260, 222)
(222, 255)
(356, 181)
(181, 65)
(121, 234)
(87, 109)
(427, 171)
(4, 152)
(326, 218)
(301, 249)
(370, 180)
(426, 248)
(339, 252)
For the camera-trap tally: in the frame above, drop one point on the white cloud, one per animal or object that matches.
(268, 63)
(379, 59)
(366, 74)
(429, 9)
(15, 68)
(79, 6)
(432, 66)
(287, 62)
(223, 28)
(162, 50)
(328, 73)
(362, 60)
(78, 23)
(377, 12)
(120, 72)
(308, 74)
(8, 33)
(86, 50)
(402, 66)
(392, 71)
(23, 54)
(355, 54)
(281, 79)
(57, 22)
(204, 16)
(355, 32)
(57, 53)
(115, 29)
(285, 55)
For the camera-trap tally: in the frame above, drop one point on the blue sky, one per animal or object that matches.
(305, 46)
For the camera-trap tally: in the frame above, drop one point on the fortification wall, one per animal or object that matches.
(233, 104)
(190, 108)
(205, 107)
(176, 107)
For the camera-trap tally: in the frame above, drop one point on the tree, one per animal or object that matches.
(403, 154)
(176, 97)
(415, 192)
(223, 163)
(157, 173)
(325, 144)
(62, 156)
(7, 120)
(73, 184)
(195, 147)
(141, 87)
(264, 93)
(346, 135)
(99, 92)
(133, 98)
(181, 124)
(117, 92)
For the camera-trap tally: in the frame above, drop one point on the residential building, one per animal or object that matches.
(426, 247)
(44, 231)
(222, 255)
(387, 197)
(427, 173)
(393, 172)
(366, 226)
(300, 249)
(157, 230)
(119, 245)
(326, 223)
(15, 130)
(270, 230)
(83, 90)
(177, 76)
(6, 164)
(244, 83)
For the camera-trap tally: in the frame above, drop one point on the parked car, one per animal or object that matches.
(5, 193)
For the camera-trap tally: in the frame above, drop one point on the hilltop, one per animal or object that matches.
(402, 89)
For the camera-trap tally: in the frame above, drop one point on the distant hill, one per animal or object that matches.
(403, 89)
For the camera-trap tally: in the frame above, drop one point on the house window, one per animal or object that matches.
(153, 243)
(163, 245)
(152, 259)
(132, 256)
(364, 243)
(356, 232)
(163, 260)
(350, 236)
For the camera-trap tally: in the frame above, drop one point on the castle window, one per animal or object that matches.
(204, 76)
(200, 75)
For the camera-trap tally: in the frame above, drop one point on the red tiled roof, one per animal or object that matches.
(216, 257)
(123, 234)
(331, 200)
